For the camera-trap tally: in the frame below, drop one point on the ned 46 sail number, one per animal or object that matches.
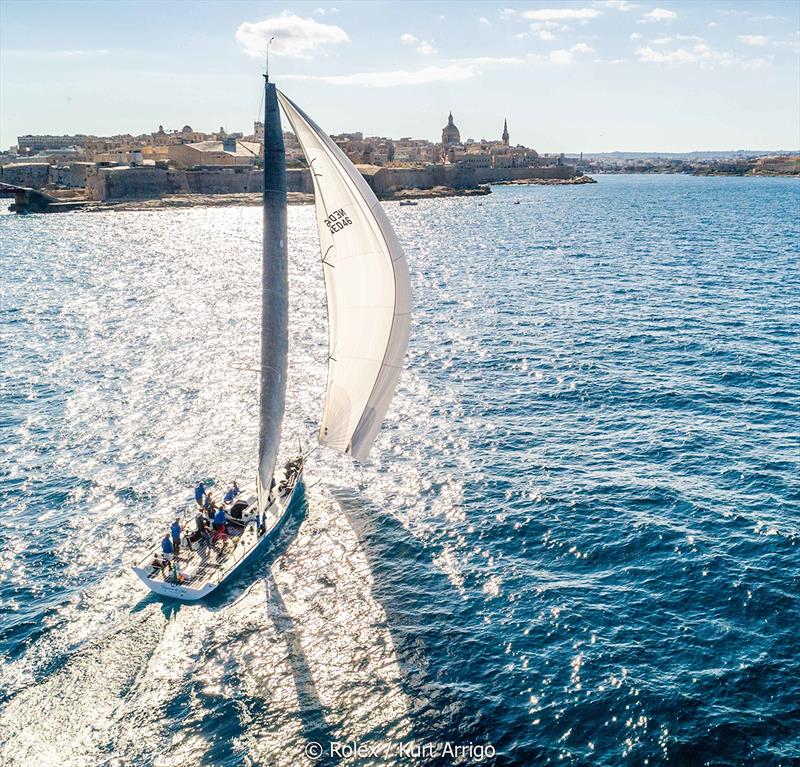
(337, 220)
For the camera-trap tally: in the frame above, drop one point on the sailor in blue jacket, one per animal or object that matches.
(199, 492)
(166, 548)
(176, 536)
(219, 518)
(232, 493)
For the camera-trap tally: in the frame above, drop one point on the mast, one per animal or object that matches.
(274, 297)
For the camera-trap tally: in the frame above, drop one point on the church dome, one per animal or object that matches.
(450, 134)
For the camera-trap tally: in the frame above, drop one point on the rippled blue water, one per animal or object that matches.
(577, 540)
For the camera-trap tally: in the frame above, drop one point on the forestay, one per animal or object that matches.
(368, 288)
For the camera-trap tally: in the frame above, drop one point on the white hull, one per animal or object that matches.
(205, 568)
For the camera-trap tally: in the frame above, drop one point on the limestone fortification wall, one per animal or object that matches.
(131, 183)
(30, 174)
(72, 176)
(493, 175)
(147, 181)
(222, 180)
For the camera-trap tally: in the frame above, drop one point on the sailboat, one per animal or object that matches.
(369, 308)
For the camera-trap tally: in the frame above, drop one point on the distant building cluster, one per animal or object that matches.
(375, 150)
(188, 148)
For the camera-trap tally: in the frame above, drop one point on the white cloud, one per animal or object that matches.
(758, 63)
(294, 36)
(423, 46)
(675, 56)
(658, 14)
(546, 36)
(619, 5)
(489, 61)
(553, 14)
(561, 57)
(701, 54)
(522, 35)
(455, 71)
(712, 24)
(484, 20)
(755, 40)
(663, 40)
(399, 77)
(537, 25)
(55, 54)
(635, 36)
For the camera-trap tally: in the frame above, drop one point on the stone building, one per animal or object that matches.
(451, 136)
(227, 152)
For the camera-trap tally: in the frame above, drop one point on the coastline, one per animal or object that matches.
(574, 181)
(246, 198)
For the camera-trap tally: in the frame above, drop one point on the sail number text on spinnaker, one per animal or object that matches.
(337, 220)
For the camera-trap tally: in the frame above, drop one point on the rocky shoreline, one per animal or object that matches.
(252, 199)
(548, 181)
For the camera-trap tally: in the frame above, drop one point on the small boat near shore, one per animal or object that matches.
(369, 305)
(408, 202)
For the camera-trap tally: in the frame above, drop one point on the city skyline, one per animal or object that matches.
(595, 76)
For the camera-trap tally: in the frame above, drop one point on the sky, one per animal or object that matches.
(587, 75)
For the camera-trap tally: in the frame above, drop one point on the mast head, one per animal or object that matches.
(266, 70)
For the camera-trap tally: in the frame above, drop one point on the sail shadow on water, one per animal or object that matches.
(428, 622)
(311, 710)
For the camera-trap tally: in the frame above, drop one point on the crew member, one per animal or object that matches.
(232, 493)
(176, 536)
(199, 492)
(166, 548)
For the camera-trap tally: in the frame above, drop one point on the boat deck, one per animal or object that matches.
(200, 566)
(205, 561)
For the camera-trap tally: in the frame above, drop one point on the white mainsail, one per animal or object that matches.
(368, 288)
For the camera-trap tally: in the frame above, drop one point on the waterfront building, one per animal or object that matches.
(227, 152)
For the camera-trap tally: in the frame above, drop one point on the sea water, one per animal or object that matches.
(577, 540)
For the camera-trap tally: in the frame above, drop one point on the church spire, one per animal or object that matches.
(505, 132)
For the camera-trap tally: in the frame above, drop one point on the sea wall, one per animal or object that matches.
(149, 181)
(493, 175)
(125, 183)
(386, 181)
(34, 175)
(72, 176)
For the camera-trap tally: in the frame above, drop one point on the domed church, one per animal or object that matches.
(450, 134)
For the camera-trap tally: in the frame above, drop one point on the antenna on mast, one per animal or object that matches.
(266, 74)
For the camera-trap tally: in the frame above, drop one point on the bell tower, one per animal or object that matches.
(505, 132)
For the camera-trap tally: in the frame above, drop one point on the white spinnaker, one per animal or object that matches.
(369, 292)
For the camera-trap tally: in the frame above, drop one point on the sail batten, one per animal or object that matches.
(368, 290)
